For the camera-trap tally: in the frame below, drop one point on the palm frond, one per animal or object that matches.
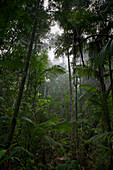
(107, 49)
(85, 71)
(101, 138)
(55, 70)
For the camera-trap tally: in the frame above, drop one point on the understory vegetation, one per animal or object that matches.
(56, 116)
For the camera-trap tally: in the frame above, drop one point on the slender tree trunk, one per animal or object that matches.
(34, 98)
(81, 102)
(110, 73)
(76, 98)
(104, 99)
(70, 84)
(35, 87)
(28, 80)
(111, 80)
(45, 90)
(76, 92)
(106, 111)
(105, 104)
(76, 109)
(14, 120)
(71, 102)
(79, 44)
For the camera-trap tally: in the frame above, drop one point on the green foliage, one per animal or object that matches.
(10, 153)
(42, 135)
(50, 141)
(27, 120)
(104, 53)
(86, 71)
(72, 165)
(2, 152)
(55, 70)
(107, 136)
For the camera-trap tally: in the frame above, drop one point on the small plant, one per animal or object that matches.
(74, 165)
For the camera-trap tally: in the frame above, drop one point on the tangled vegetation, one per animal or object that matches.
(52, 117)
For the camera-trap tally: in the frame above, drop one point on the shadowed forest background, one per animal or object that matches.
(56, 116)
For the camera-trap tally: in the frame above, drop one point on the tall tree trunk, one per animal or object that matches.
(111, 80)
(14, 120)
(71, 102)
(81, 53)
(110, 74)
(81, 102)
(45, 90)
(76, 36)
(104, 99)
(34, 98)
(76, 92)
(28, 81)
(76, 98)
(76, 109)
(104, 102)
(106, 111)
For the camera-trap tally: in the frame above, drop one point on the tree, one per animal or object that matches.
(13, 124)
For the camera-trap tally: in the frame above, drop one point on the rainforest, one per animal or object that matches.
(56, 114)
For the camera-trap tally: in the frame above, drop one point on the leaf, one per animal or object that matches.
(50, 141)
(99, 59)
(101, 137)
(90, 88)
(12, 146)
(90, 96)
(50, 122)
(62, 167)
(8, 157)
(27, 120)
(85, 71)
(64, 126)
(5, 118)
(56, 70)
(13, 152)
(2, 152)
(95, 102)
(74, 164)
(1, 99)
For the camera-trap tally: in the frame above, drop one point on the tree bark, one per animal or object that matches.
(105, 104)
(79, 44)
(111, 80)
(71, 102)
(14, 120)
(76, 91)
(104, 99)
(110, 74)
(34, 98)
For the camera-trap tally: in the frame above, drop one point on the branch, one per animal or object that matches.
(97, 35)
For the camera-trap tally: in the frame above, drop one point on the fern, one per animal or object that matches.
(101, 138)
